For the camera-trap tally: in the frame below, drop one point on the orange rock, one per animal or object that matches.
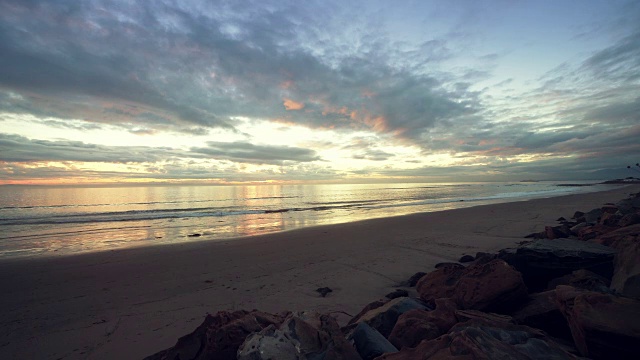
(488, 286)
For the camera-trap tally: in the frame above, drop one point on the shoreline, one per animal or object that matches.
(130, 303)
(201, 233)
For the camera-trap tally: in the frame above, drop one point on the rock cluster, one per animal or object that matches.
(571, 293)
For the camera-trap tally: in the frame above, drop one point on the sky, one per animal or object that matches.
(233, 92)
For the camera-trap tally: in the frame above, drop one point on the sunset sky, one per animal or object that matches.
(318, 91)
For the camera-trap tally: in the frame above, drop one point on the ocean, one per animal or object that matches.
(40, 221)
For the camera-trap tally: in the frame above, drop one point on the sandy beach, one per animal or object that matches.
(127, 304)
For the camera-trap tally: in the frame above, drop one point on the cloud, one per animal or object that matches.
(620, 61)
(15, 148)
(375, 155)
(366, 148)
(197, 66)
(293, 105)
(244, 152)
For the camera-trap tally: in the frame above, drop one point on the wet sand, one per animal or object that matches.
(127, 304)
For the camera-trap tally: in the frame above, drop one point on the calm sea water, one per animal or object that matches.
(42, 221)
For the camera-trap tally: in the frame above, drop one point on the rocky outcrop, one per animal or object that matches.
(490, 286)
(603, 326)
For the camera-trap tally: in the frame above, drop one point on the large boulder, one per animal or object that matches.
(541, 311)
(603, 326)
(543, 260)
(478, 339)
(219, 336)
(416, 325)
(491, 286)
(626, 277)
(384, 318)
(593, 216)
(440, 283)
(303, 335)
(370, 343)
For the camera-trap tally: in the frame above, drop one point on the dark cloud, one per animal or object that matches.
(244, 152)
(15, 148)
(619, 62)
(375, 155)
(366, 148)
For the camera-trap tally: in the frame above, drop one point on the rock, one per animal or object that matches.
(625, 206)
(416, 325)
(541, 311)
(609, 219)
(593, 231)
(626, 276)
(478, 339)
(577, 215)
(629, 219)
(324, 291)
(318, 336)
(397, 293)
(609, 209)
(582, 279)
(384, 318)
(575, 230)
(543, 260)
(489, 286)
(303, 335)
(557, 232)
(219, 336)
(370, 343)
(412, 327)
(194, 235)
(593, 216)
(603, 326)
(612, 237)
(466, 259)
(440, 283)
(303, 329)
(269, 343)
(444, 314)
(561, 219)
(466, 315)
(373, 305)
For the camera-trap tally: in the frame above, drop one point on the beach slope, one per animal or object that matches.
(130, 303)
